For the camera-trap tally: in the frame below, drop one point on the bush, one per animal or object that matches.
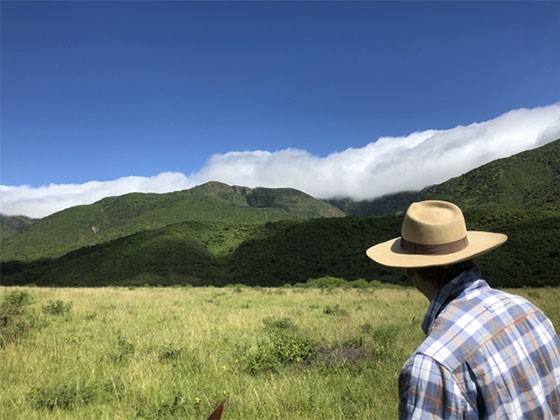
(262, 359)
(18, 299)
(284, 345)
(166, 353)
(360, 284)
(56, 307)
(15, 322)
(64, 396)
(327, 282)
(285, 323)
(291, 347)
(123, 351)
(335, 310)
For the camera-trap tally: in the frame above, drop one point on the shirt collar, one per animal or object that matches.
(449, 292)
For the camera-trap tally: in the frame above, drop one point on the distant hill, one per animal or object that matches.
(386, 205)
(276, 253)
(116, 217)
(216, 234)
(12, 225)
(528, 180)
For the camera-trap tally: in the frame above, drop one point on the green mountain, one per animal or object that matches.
(388, 204)
(12, 225)
(117, 217)
(528, 180)
(216, 234)
(273, 254)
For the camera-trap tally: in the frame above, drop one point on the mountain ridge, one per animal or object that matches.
(114, 217)
(12, 225)
(273, 240)
(527, 180)
(287, 252)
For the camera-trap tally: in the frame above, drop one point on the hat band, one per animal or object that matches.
(438, 249)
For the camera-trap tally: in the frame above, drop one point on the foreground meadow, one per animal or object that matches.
(156, 353)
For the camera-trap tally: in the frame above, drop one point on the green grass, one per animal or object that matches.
(175, 352)
(153, 353)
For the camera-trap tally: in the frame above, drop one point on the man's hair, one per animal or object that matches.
(440, 275)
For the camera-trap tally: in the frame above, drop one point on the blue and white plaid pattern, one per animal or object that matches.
(487, 354)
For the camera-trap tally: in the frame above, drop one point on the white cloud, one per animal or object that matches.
(388, 165)
(48, 199)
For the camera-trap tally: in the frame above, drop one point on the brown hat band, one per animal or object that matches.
(439, 249)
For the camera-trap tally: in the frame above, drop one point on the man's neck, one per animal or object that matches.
(429, 291)
(423, 286)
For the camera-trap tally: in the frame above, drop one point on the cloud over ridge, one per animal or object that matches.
(384, 166)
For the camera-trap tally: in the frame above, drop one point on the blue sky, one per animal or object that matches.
(99, 91)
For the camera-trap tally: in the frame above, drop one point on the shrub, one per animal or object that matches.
(167, 353)
(285, 323)
(284, 345)
(327, 282)
(18, 299)
(262, 359)
(291, 347)
(65, 396)
(375, 283)
(15, 322)
(354, 343)
(335, 310)
(359, 284)
(56, 307)
(123, 351)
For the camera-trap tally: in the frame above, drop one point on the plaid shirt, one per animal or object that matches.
(487, 354)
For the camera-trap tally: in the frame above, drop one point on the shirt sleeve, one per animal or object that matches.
(427, 390)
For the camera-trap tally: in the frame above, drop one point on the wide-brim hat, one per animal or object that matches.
(434, 233)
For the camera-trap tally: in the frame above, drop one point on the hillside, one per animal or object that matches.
(528, 180)
(217, 234)
(386, 205)
(117, 217)
(272, 254)
(12, 225)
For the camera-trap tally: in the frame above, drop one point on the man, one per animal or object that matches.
(487, 354)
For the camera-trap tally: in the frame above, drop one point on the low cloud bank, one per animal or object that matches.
(48, 199)
(388, 165)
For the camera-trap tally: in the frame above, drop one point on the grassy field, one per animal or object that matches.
(157, 353)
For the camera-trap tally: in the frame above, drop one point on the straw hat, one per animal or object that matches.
(434, 233)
